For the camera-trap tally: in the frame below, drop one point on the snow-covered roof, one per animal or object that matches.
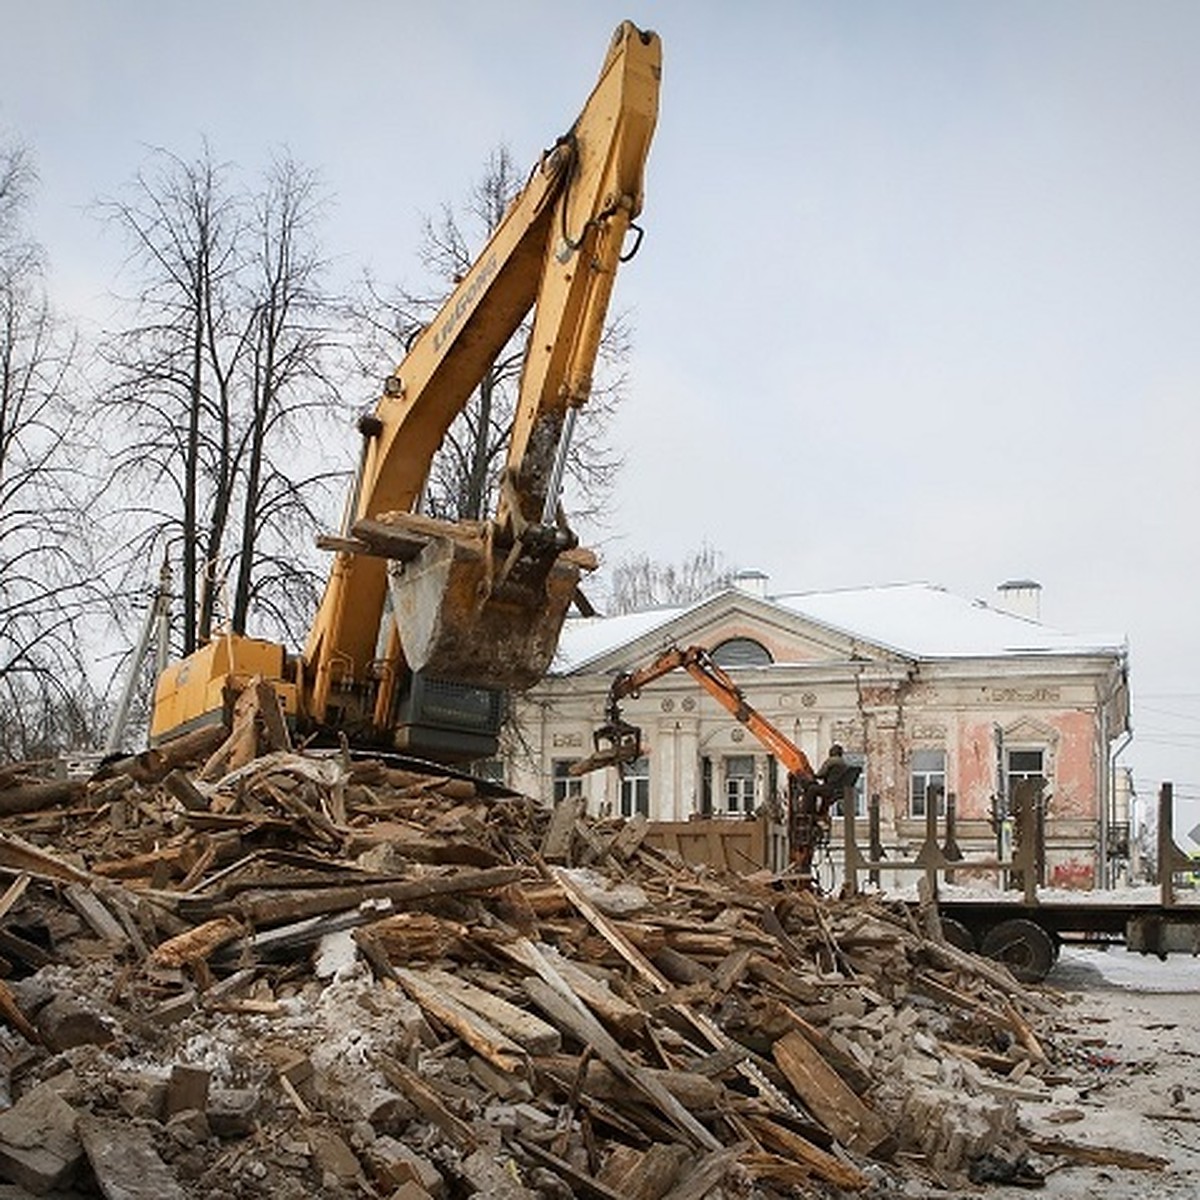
(586, 638)
(917, 620)
(923, 621)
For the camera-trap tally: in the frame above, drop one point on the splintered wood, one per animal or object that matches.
(569, 1009)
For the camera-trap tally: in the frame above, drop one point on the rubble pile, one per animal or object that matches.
(310, 975)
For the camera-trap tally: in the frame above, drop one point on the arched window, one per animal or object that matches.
(742, 652)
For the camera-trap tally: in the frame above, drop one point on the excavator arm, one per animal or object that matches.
(619, 742)
(473, 604)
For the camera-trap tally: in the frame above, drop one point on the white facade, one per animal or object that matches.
(923, 688)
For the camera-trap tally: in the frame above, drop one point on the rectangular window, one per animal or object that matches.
(927, 778)
(1026, 776)
(1025, 764)
(855, 759)
(565, 784)
(635, 788)
(739, 783)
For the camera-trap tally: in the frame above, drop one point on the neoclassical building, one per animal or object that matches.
(932, 694)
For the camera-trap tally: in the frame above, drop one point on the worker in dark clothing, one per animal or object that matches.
(811, 801)
(831, 779)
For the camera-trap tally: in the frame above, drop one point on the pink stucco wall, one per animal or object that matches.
(1075, 791)
(1075, 787)
(975, 769)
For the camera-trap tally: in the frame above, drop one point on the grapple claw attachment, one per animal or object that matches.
(617, 743)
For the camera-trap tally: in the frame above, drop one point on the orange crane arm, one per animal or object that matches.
(699, 664)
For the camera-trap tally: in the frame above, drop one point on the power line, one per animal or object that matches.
(1166, 712)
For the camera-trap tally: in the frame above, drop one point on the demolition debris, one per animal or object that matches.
(233, 973)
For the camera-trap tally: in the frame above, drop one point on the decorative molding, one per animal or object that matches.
(1043, 694)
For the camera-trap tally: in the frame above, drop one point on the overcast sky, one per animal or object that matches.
(919, 297)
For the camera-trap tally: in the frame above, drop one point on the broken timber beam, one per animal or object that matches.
(476, 1031)
(826, 1096)
(272, 907)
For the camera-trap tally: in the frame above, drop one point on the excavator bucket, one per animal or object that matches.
(455, 624)
(617, 743)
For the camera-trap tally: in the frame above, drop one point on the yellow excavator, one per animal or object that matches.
(425, 624)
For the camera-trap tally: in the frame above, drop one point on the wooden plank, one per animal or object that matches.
(185, 791)
(801, 1150)
(630, 836)
(706, 1174)
(429, 1103)
(551, 993)
(1105, 1156)
(196, 944)
(21, 856)
(11, 1012)
(403, 535)
(271, 907)
(656, 1171)
(731, 969)
(556, 843)
(14, 892)
(525, 1028)
(613, 1010)
(950, 957)
(609, 931)
(32, 797)
(689, 1087)
(844, 1063)
(479, 1033)
(826, 1095)
(30, 953)
(580, 1183)
(149, 766)
(704, 1025)
(91, 908)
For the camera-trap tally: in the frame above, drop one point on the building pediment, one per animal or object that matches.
(608, 645)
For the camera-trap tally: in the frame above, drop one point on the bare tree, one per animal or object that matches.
(640, 583)
(45, 582)
(222, 356)
(465, 473)
(285, 386)
(172, 372)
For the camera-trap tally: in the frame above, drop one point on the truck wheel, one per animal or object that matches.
(1023, 946)
(958, 935)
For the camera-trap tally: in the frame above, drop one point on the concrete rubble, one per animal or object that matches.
(311, 975)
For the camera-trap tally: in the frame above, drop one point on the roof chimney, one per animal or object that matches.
(753, 583)
(1021, 597)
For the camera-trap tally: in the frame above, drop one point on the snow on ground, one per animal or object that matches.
(1136, 1021)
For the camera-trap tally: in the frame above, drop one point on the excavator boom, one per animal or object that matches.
(456, 611)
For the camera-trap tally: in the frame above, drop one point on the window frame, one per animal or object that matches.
(635, 788)
(562, 784)
(747, 797)
(916, 799)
